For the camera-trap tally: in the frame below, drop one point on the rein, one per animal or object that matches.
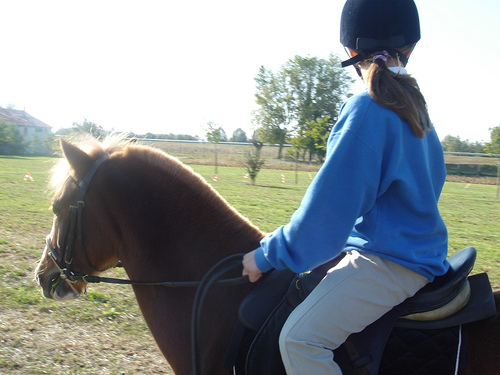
(171, 284)
(210, 278)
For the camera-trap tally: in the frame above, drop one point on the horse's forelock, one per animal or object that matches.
(92, 147)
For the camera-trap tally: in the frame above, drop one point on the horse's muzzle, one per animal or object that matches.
(53, 286)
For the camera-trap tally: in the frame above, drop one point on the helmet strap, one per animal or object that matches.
(363, 55)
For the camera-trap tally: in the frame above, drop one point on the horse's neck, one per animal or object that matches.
(172, 219)
(168, 311)
(184, 239)
(168, 315)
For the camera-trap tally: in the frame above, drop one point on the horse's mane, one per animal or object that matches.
(115, 144)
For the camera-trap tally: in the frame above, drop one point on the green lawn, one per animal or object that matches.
(104, 332)
(472, 214)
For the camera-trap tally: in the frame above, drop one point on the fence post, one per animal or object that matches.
(498, 177)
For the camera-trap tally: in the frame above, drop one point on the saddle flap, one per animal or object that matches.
(262, 300)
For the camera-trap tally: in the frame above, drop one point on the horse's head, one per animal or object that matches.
(66, 260)
(134, 204)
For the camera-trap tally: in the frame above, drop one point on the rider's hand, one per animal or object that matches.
(250, 268)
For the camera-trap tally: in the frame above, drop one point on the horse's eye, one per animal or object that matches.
(56, 209)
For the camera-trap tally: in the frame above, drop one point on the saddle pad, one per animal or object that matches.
(423, 352)
(264, 356)
(408, 351)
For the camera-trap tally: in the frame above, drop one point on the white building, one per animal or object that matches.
(35, 133)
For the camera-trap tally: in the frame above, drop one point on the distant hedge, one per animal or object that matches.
(472, 169)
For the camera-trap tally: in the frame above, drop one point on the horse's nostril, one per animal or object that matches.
(55, 280)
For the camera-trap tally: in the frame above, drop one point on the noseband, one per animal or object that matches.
(73, 227)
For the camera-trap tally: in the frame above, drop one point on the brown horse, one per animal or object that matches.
(163, 222)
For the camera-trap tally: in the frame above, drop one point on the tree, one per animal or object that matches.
(319, 86)
(180, 137)
(276, 107)
(477, 147)
(493, 147)
(49, 142)
(318, 132)
(452, 144)
(312, 138)
(215, 134)
(254, 161)
(455, 144)
(11, 141)
(304, 89)
(150, 136)
(34, 144)
(239, 136)
(86, 127)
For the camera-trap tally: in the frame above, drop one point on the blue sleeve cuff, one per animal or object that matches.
(261, 261)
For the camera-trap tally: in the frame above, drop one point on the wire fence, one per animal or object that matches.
(233, 154)
(230, 154)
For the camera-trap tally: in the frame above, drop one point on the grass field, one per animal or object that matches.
(233, 154)
(104, 333)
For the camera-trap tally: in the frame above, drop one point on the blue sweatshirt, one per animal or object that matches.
(377, 192)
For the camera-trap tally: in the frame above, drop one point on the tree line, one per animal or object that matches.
(297, 104)
(12, 143)
(455, 144)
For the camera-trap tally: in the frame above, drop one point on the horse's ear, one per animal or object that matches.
(77, 159)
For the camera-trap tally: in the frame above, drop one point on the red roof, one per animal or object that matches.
(21, 118)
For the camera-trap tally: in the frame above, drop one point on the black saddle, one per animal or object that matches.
(444, 288)
(280, 292)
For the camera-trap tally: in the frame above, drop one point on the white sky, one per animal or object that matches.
(165, 66)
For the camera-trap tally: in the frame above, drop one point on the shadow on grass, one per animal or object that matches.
(13, 157)
(272, 187)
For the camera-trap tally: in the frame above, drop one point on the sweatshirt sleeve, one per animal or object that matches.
(344, 189)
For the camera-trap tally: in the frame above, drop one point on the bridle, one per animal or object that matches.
(72, 228)
(72, 232)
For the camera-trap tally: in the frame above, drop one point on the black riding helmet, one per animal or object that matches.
(375, 25)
